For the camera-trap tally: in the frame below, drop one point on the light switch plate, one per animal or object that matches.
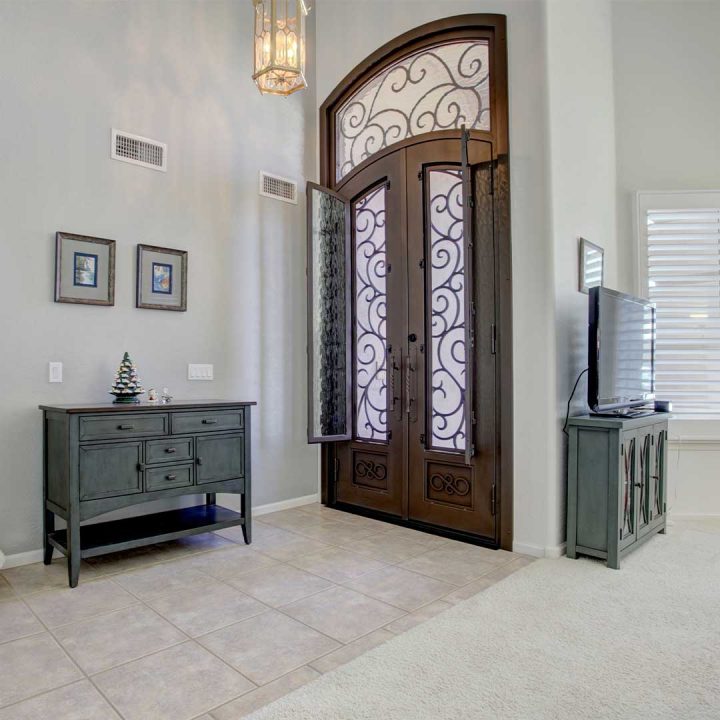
(55, 372)
(200, 372)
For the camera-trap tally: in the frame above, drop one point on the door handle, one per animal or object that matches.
(126, 427)
(395, 387)
(411, 386)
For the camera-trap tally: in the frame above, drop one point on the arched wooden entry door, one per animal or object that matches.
(409, 295)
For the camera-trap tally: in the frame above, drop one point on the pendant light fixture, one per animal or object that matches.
(280, 46)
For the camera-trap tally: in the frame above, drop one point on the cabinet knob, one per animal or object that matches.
(126, 427)
(209, 422)
(170, 477)
(170, 450)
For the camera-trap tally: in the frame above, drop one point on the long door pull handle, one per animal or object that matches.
(126, 427)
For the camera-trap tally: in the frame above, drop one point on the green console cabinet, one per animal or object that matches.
(617, 484)
(99, 458)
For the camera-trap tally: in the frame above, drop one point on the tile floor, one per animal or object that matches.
(208, 628)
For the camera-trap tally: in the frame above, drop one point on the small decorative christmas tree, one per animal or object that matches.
(126, 386)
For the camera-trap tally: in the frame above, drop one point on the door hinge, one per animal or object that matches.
(493, 338)
(621, 533)
(622, 449)
(422, 439)
(422, 263)
(420, 174)
(493, 499)
(389, 434)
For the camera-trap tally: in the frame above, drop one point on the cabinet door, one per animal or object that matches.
(643, 484)
(220, 458)
(658, 484)
(628, 478)
(110, 470)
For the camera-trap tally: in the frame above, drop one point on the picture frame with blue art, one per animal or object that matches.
(161, 282)
(84, 269)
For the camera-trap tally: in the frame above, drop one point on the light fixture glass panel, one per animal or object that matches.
(438, 88)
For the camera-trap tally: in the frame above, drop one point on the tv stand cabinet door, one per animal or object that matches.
(627, 496)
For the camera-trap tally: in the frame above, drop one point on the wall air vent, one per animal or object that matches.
(273, 186)
(138, 150)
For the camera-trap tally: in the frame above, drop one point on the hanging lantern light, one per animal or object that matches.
(280, 46)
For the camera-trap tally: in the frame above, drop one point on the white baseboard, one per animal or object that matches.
(286, 504)
(23, 558)
(33, 556)
(540, 551)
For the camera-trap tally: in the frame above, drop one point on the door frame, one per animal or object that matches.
(493, 28)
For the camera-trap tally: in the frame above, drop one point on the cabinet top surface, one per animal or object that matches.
(144, 406)
(618, 422)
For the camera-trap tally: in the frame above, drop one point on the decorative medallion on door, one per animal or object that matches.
(370, 470)
(449, 484)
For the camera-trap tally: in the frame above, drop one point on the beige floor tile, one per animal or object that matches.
(337, 533)
(430, 541)
(453, 565)
(364, 523)
(352, 650)
(401, 588)
(79, 701)
(16, 621)
(191, 545)
(256, 699)
(109, 640)
(157, 580)
(201, 610)
(471, 589)
(28, 579)
(388, 547)
(508, 569)
(266, 537)
(267, 646)
(279, 584)
(31, 666)
(293, 520)
(297, 547)
(323, 511)
(229, 563)
(60, 607)
(126, 560)
(417, 617)
(176, 684)
(6, 591)
(496, 557)
(337, 564)
(342, 614)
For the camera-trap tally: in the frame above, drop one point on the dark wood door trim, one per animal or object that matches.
(493, 28)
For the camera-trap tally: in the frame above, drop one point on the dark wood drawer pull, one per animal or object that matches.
(170, 450)
(170, 477)
(209, 422)
(126, 427)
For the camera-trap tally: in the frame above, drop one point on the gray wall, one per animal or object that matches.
(178, 72)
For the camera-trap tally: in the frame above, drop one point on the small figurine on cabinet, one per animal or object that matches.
(166, 396)
(152, 395)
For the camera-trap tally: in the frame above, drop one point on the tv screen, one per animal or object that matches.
(621, 350)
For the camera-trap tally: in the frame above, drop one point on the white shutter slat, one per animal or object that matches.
(683, 273)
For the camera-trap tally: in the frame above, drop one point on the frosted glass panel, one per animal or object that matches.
(440, 88)
(370, 316)
(447, 318)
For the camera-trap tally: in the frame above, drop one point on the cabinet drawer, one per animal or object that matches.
(194, 422)
(110, 470)
(104, 427)
(220, 458)
(169, 476)
(171, 450)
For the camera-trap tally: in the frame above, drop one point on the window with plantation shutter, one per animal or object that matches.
(680, 272)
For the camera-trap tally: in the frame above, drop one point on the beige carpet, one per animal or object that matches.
(558, 639)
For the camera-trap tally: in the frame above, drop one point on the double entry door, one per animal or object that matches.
(415, 434)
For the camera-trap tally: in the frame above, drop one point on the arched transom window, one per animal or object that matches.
(437, 88)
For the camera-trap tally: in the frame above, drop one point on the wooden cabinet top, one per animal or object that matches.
(144, 406)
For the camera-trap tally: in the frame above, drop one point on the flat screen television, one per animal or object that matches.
(621, 351)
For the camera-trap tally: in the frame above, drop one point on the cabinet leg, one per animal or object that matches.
(73, 560)
(48, 527)
(209, 498)
(245, 511)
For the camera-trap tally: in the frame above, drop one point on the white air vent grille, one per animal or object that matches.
(279, 188)
(138, 150)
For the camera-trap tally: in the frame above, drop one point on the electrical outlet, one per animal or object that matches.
(200, 372)
(55, 372)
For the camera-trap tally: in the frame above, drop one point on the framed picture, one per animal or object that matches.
(591, 266)
(84, 269)
(161, 278)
